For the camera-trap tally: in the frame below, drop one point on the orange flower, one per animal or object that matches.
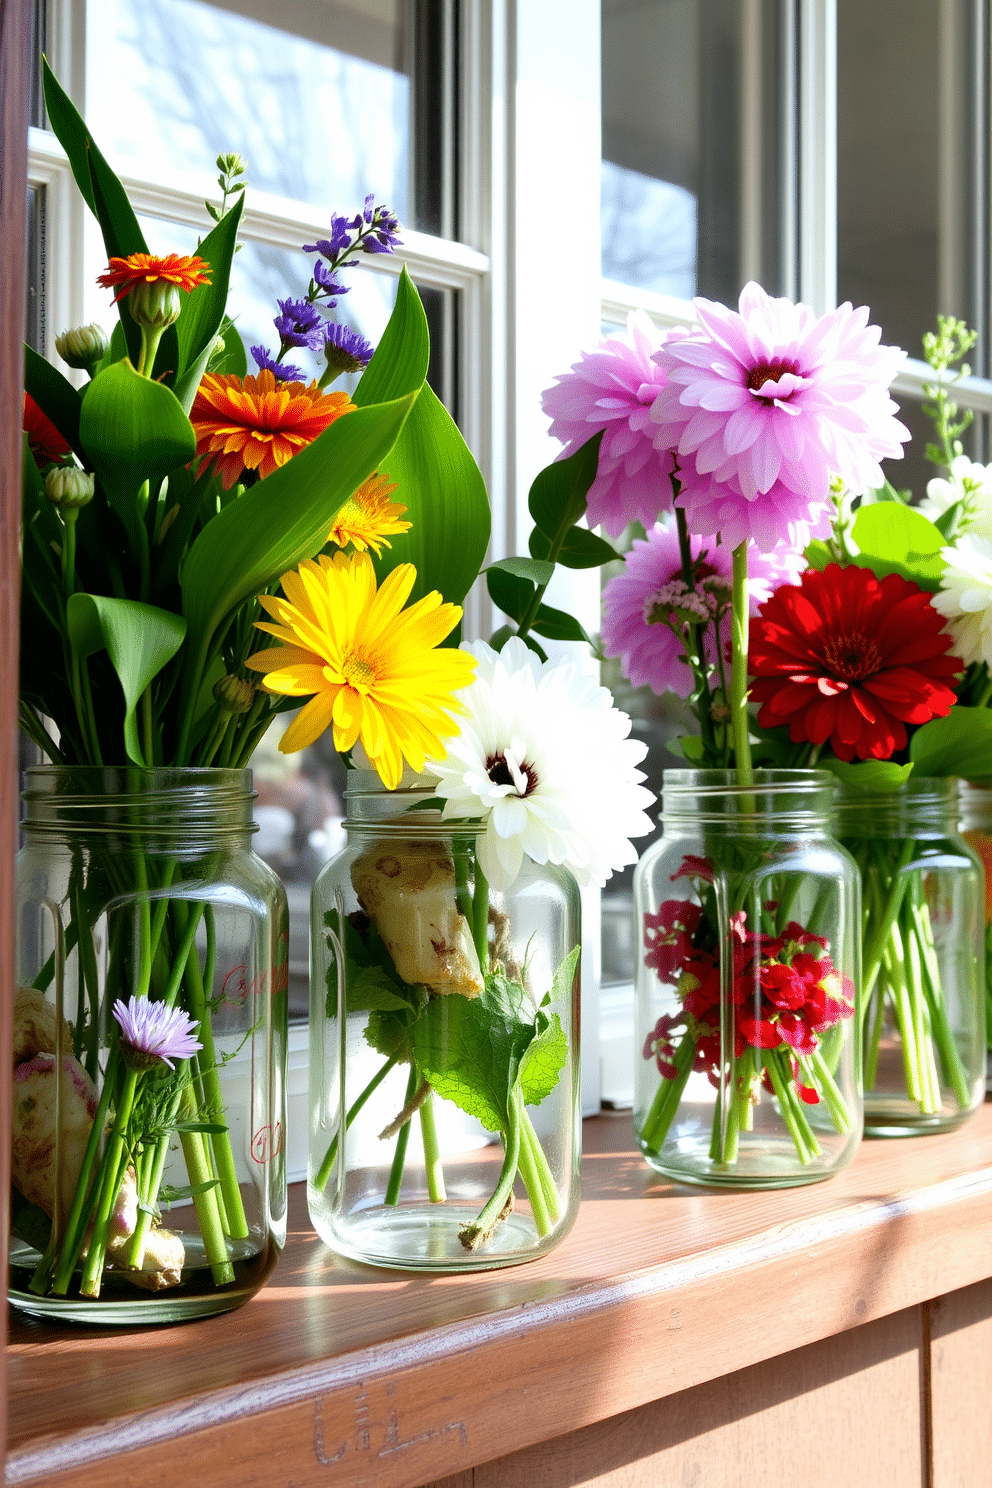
(44, 440)
(125, 274)
(255, 423)
(367, 517)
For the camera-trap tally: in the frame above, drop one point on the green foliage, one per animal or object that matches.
(897, 539)
(867, 777)
(138, 638)
(959, 744)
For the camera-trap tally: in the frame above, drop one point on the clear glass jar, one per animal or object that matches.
(923, 1001)
(444, 1078)
(976, 828)
(747, 1068)
(144, 1193)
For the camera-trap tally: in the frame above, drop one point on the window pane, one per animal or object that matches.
(34, 320)
(693, 135)
(317, 97)
(908, 197)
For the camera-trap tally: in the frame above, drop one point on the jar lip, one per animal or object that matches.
(918, 790)
(126, 780)
(711, 782)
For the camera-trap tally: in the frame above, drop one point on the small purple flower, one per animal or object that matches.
(325, 278)
(281, 371)
(385, 231)
(345, 349)
(152, 1032)
(339, 242)
(300, 324)
(369, 207)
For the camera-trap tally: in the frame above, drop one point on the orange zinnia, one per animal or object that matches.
(44, 440)
(368, 516)
(125, 274)
(255, 423)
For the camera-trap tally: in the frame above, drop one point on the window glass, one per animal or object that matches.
(680, 77)
(34, 320)
(317, 97)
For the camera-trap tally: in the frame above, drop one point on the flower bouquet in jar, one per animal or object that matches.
(162, 502)
(727, 441)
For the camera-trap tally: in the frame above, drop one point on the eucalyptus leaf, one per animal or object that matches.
(867, 777)
(958, 744)
(138, 638)
(896, 539)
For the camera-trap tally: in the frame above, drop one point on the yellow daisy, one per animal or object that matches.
(369, 517)
(371, 666)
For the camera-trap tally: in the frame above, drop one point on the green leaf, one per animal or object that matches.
(580, 549)
(133, 429)
(543, 1062)
(234, 362)
(470, 1048)
(204, 307)
(867, 777)
(564, 977)
(958, 744)
(371, 988)
(499, 638)
(896, 539)
(557, 498)
(689, 746)
(532, 569)
(818, 555)
(69, 130)
(285, 517)
(399, 365)
(138, 638)
(513, 595)
(555, 625)
(54, 395)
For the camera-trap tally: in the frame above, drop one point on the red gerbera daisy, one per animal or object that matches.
(44, 440)
(125, 274)
(847, 657)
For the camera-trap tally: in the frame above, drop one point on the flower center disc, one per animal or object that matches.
(500, 773)
(358, 672)
(852, 657)
(764, 372)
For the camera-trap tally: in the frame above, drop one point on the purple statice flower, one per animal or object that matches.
(385, 225)
(651, 653)
(324, 277)
(154, 1032)
(338, 243)
(345, 349)
(281, 371)
(300, 324)
(770, 401)
(613, 388)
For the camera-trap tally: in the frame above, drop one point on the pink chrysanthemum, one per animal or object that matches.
(651, 654)
(777, 400)
(712, 506)
(613, 388)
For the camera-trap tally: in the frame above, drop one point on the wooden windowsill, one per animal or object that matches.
(336, 1373)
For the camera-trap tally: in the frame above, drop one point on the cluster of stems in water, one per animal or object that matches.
(151, 952)
(523, 1153)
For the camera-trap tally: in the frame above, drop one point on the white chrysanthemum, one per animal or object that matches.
(965, 597)
(970, 486)
(544, 759)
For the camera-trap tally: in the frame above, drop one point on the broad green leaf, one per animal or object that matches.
(470, 1048)
(54, 395)
(896, 539)
(204, 307)
(139, 639)
(958, 744)
(543, 1061)
(580, 549)
(555, 625)
(867, 777)
(69, 130)
(286, 517)
(371, 988)
(399, 365)
(689, 746)
(564, 977)
(499, 638)
(513, 595)
(133, 429)
(533, 569)
(445, 497)
(557, 498)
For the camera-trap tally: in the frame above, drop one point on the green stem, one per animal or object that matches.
(432, 1152)
(200, 1171)
(535, 1170)
(820, 1077)
(324, 1172)
(666, 1098)
(478, 1232)
(790, 1108)
(893, 902)
(402, 1139)
(114, 1160)
(738, 668)
(480, 917)
(695, 652)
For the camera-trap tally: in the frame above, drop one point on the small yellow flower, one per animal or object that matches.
(370, 667)
(369, 518)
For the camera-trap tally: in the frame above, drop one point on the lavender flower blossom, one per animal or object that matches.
(324, 277)
(345, 349)
(281, 371)
(338, 243)
(300, 324)
(152, 1032)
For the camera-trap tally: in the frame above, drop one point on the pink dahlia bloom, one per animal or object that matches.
(613, 388)
(651, 654)
(772, 401)
(778, 516)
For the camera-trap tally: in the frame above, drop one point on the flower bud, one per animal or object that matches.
(155, 305)
(234, 694)
(68, 487)
(84, 347)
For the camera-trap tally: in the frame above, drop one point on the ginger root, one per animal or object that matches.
(407, 889)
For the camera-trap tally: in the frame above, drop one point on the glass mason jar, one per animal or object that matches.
(976, 828)
(148, 1186)
(923, 1001)
(444, 1060)
(747, 1066)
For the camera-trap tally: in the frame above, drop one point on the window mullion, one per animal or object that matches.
(817, 207)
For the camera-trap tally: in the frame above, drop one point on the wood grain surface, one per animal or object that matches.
(960, 1387)
(14, 77)
(336, 1373)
